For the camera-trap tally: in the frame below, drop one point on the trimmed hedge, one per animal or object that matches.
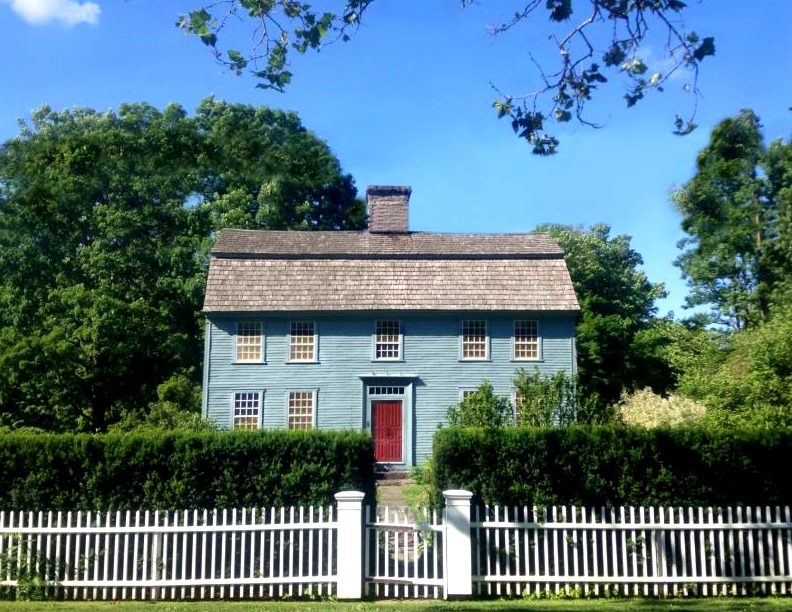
(612, 466)
(182, 470)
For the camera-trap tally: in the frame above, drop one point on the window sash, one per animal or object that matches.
(474, 340)
(247, 410)
(301, 409)
(526, 339)
(387, 343)
(302, 341)
(249, 341)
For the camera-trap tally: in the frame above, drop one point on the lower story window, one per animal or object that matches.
(247, 410)
(301, 409)
(519, 402)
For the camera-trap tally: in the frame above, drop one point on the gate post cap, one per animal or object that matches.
(457, 496)
(349, 496)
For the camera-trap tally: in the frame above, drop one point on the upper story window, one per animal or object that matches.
(249, 341)
(388, 340)
(247, 410)
(302, 341)
(526, 339)
(474, 340)
(301, 409)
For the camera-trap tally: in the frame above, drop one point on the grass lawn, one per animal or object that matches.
(597, 605)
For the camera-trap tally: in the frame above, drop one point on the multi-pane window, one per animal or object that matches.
(249, 341)
(247, 410)
(474, 340)
(301, 409)
(526, 339)
(387, 344)
(302, 341)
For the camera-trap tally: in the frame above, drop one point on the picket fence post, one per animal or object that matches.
(458, 569)
(349, 559)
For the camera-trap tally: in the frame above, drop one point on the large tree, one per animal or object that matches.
(616, 335)
(105, 219)
(592, 38)
(736, 211)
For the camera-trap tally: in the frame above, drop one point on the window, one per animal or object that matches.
(249, 341)
(398, 390)
(247, 410)
(387, 344)
(301, 409)
(526, 340)
(302, 341)
(474, 340)
(519, 400)
(466, 393)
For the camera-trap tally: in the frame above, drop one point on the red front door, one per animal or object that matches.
(386, 427)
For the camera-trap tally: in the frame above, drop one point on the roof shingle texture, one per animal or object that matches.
(292, 271)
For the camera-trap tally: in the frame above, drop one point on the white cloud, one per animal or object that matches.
(70, 12)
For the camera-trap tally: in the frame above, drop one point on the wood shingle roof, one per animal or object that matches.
(305, 271)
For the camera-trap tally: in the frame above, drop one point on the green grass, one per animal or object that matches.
(580, 605)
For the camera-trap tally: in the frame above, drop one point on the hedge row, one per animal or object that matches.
(182, 470)
(611, 466)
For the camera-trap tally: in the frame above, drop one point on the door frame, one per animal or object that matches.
(386, 388)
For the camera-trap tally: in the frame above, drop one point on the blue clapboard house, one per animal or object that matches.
(381, 329)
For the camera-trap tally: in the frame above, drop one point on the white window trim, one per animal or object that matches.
(314, 395)
(514, 404)
(262, 340)
(315, 358)
(463, 391)
(462, 340)
(538, 341)
(401, 342)
(260, 394)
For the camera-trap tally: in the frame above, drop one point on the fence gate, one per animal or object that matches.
(403, 553)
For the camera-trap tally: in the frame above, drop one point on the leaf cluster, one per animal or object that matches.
(280, 27)
(284, 26)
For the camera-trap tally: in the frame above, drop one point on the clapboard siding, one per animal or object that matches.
(431, 370)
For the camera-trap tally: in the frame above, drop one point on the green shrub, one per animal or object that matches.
(612, 465)
(482, 408)
(182, 470)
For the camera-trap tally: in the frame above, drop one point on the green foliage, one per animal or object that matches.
(745, 378)
(306, 29)
(175, 470)
(619, 345)
(736, 211)
(546, 401)
(284, 26)
(482, 408)
(616, 465)
(105, 224)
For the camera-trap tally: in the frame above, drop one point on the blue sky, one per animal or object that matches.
(408, 102)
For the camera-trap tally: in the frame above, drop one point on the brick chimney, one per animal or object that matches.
(387, 209)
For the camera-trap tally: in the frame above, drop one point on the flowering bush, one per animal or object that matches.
(645, 408)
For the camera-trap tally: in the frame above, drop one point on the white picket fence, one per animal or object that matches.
(349, 552)
(633, 551)
(163, 555)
